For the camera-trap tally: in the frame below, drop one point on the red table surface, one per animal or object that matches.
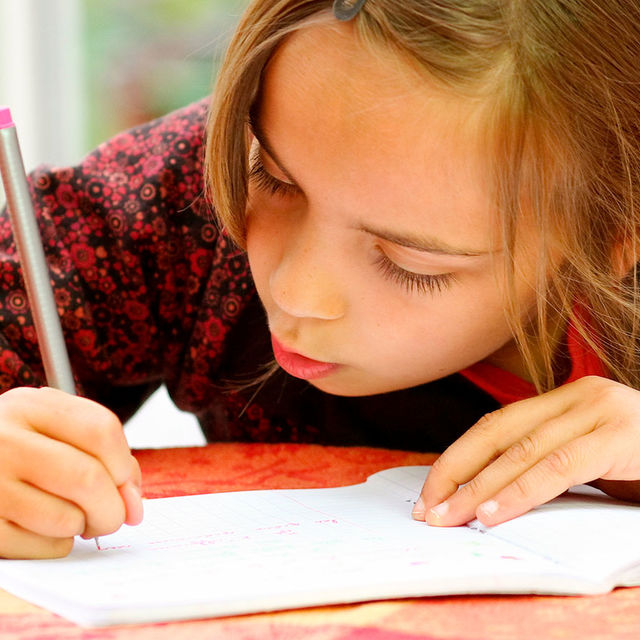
(227, 467)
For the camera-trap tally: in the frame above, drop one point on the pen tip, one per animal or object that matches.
(97, 543)
(5, 117)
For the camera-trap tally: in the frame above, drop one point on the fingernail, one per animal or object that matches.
(418, 509)
(440, 510)
(489, 507)
(137, 481)
(133, 503)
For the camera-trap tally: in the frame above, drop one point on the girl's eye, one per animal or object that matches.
(413, 282)
(264, 181)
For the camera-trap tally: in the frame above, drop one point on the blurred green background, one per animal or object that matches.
(147, 57)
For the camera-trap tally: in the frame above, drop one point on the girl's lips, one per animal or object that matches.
(300, 366)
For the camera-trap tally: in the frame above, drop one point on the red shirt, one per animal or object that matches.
(507, 387)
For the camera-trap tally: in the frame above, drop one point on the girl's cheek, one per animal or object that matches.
(262, 210)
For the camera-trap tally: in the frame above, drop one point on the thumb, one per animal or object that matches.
(132, 498)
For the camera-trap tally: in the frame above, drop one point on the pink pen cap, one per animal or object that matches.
(5, 118)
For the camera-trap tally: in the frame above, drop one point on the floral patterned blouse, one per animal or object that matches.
(150, 291)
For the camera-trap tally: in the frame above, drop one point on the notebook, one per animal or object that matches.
(255, 551)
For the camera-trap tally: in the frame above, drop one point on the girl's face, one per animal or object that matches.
(370, 228)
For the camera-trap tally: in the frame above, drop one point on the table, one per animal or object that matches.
(227, 467)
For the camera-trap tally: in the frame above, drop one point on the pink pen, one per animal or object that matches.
(34, 266)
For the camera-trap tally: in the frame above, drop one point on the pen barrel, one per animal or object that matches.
(34, 265)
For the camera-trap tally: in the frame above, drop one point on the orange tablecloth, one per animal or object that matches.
(226, 467)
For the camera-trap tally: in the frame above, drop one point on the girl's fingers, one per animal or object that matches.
(62, 470)
(136, 473)
(130, 493)
(65, 469)
(519, 457)
(576, 462)
(484, 442)
(41, 513)
(134, 511)
(16, 542)
(80, 422)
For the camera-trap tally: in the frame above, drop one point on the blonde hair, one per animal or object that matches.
(562, 93)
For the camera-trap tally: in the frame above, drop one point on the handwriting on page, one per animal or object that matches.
(288, 532)
(223, 554)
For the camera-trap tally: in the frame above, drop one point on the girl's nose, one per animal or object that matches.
(305, 285)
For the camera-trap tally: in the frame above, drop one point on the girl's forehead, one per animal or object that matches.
(359, 122)
(334, 59)
(328, 74)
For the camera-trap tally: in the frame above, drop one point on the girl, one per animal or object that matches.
(438, 204)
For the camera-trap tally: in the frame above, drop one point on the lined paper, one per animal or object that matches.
(241, 552)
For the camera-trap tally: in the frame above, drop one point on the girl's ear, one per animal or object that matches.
(626, 255)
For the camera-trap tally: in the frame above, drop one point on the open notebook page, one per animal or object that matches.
(594, 534)
(231, 553)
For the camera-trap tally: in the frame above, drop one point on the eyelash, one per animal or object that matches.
(264, 181)
(421, 283)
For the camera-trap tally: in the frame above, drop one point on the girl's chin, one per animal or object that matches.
(338, 384)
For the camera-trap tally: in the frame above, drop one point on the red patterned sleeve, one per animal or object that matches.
(146, 286)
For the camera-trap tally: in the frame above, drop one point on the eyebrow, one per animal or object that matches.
(266, 145)
(428, 245)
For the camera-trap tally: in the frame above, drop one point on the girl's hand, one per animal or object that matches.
(531, 451)
(65, 470)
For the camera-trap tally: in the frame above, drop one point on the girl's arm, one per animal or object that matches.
(120, 230)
